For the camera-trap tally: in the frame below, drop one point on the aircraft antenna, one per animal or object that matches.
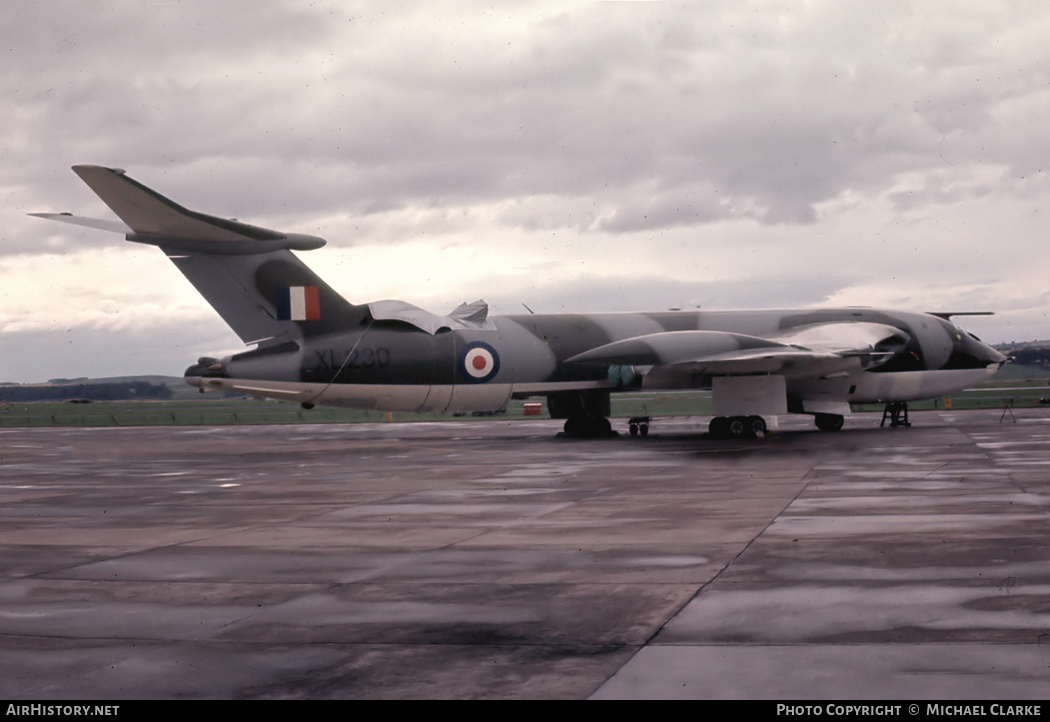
(347, 359)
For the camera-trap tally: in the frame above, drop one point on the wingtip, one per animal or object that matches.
(89, 167)
(947, 315)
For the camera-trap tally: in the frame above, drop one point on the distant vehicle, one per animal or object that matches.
(315, 347)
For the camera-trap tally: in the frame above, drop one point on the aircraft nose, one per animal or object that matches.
(983, 353)
(994, 356)
(969, 352)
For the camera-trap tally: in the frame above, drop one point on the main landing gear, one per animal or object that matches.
(585, 412)
(897, 413)
(737, 427)
(588, 427)
(828, 422)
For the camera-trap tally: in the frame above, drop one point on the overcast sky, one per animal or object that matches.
(572, 155)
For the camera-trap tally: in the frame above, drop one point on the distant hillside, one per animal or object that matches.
(1028, 353)
(91, 391)
(1031, 356)
(1028, 360)
(124, 388)
(149, 379)
(1020, 344)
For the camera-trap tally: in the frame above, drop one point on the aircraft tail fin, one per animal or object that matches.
(247, 273)
(267, 298)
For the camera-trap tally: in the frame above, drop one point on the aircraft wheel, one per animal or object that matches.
(588, 427)
(633, 428)
(828, 422)
(575, 426)
(644, 428)
(756, 426)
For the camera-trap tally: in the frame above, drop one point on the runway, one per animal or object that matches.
(493, 559)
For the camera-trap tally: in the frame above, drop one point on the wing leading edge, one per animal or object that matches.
(812, 350)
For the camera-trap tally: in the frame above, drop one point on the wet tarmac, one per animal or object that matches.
(494, 559)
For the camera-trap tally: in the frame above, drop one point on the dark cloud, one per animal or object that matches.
(378, 109)
(598, 126)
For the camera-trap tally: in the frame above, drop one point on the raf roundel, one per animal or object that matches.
(478, 362)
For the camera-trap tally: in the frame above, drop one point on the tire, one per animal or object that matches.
(600, 427)
(588, 427)
(829, 422)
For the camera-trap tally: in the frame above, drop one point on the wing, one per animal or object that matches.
(805, 351)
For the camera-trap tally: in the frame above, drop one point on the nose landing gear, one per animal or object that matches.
(897, 413)
(639, 425)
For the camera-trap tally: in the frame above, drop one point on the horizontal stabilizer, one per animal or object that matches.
(158, 221)
(98, 223)
(947, 315)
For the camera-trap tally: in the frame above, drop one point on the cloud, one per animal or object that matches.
(808, 152)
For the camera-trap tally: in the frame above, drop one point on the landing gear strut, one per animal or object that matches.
(897, 413)
(737, 427)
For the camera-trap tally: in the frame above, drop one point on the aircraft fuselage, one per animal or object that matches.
(315, 347)
(394, 366)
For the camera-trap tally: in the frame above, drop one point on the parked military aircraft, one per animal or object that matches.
(314, 347)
